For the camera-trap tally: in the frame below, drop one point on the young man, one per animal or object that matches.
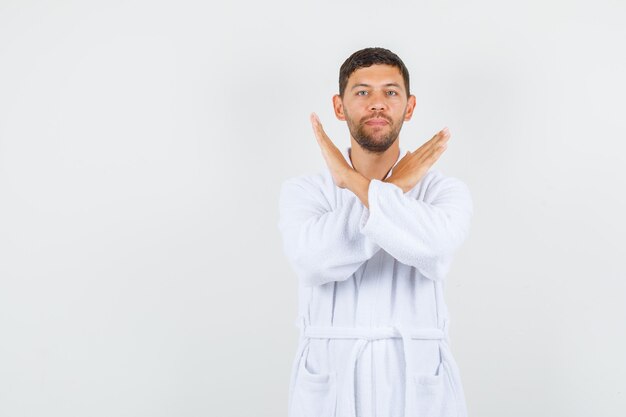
(371, 240)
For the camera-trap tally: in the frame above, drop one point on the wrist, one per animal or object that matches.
(397, 183)
(351, 179)
(359, 185)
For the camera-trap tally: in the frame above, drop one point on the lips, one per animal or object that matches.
(377, 122)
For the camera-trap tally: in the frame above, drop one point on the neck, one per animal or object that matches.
(374, 165)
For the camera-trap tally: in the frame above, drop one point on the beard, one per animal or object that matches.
(375, 139)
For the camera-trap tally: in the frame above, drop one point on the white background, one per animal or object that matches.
(142, 147)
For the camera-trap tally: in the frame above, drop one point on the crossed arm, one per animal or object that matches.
(326, 244)
(322, 243)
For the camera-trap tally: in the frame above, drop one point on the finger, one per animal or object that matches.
(443, 139)
(445, 134)
(428, 144)
(436, 153)
(440, 137)
(314, 122)
(317, 127)
(314, 119)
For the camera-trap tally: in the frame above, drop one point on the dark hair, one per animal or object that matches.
(366, 58)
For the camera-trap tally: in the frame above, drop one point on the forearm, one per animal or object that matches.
(413, 230)
(323, 242)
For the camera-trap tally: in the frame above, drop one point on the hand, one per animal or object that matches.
(337, 164)
(412, 167)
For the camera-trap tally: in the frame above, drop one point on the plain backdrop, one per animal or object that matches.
(142, 148)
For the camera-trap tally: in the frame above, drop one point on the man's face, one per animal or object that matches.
(375, 105)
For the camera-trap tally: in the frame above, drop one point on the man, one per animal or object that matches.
(371, 240)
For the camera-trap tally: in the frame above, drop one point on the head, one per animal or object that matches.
(374, 97)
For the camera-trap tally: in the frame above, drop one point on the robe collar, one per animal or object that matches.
(346, 154)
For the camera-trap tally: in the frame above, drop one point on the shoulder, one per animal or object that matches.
(308, 187)
(437, 178)
(436, 184)
(307, 181)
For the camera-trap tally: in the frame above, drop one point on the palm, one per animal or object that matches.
(412, 167)
(332, 155)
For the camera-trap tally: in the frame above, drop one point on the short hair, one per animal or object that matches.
(366, 58)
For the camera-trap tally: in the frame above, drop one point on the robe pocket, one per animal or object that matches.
(315, 394)
(434, 394)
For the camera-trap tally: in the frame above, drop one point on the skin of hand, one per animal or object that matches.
(412, 167)
(337, 164)
(407, 172)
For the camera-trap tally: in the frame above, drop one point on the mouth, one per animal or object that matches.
(377, 122)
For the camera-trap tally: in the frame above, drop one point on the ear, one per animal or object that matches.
(338, 106)
(410, 106)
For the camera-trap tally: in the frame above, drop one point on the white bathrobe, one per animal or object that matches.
(372, 316)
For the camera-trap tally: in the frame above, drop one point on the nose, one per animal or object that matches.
(377, 101)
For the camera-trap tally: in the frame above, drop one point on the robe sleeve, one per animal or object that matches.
(424, 234)
(322, 243)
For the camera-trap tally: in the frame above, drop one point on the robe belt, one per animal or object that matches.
(365, 335)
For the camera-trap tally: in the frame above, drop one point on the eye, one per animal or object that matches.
(392, 93)
(358, 93)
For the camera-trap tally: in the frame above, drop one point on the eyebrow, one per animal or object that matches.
(367, 85)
